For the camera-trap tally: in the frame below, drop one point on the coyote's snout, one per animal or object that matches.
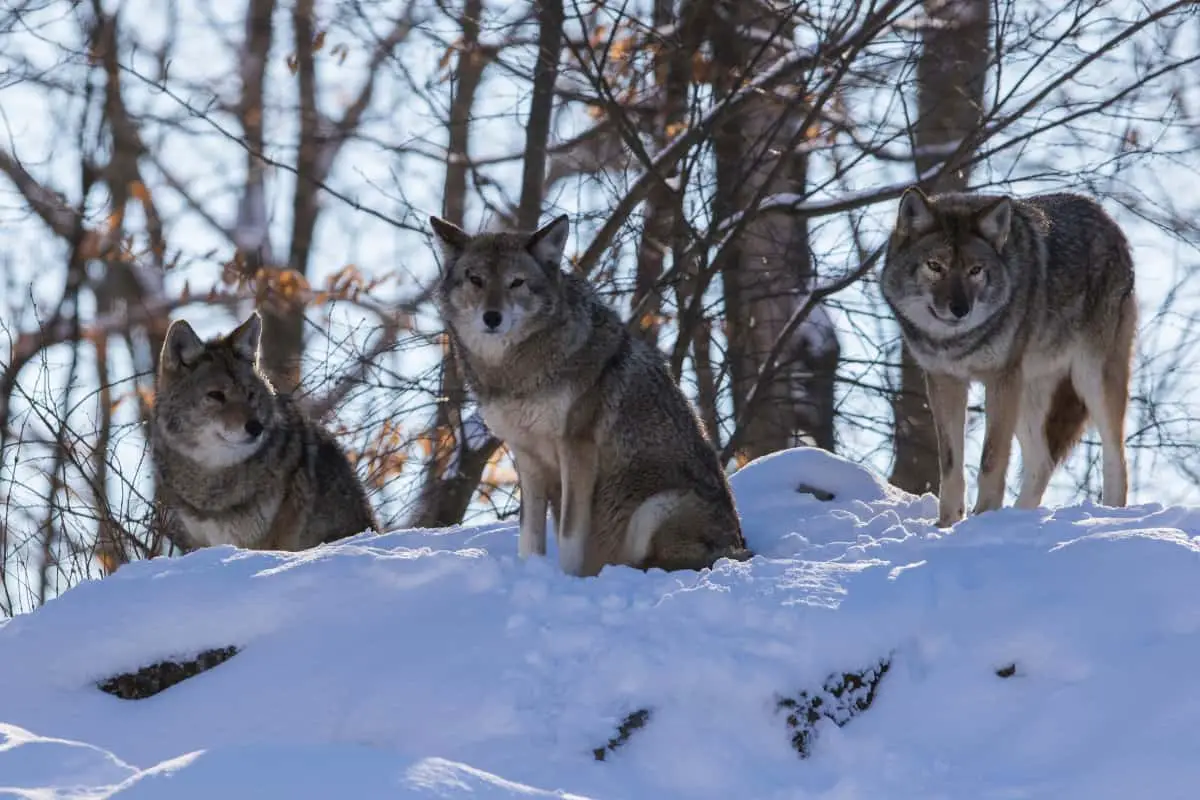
(600, 434)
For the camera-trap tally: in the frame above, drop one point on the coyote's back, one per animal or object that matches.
(236, 463)
(600, 433)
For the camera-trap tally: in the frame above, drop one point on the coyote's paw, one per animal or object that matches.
(984, 506)
(525, 546)
(949, 516)
(529, 543)
(571, 554)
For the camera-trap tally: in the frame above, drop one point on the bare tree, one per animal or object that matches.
(119, 257)
(464, 447)
(760, 151)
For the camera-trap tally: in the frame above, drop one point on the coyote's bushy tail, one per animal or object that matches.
(697, 557)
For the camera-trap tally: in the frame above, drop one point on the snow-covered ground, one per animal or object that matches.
(436, 664)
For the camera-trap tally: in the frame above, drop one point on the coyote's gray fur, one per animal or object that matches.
(1035, 298)
(237, 463)
(599, 432)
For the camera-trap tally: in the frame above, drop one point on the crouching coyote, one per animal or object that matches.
(237, 463)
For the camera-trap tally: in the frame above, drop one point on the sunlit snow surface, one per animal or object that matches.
(436, 664)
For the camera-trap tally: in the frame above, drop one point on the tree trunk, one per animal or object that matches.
(768, 270)
(283, 319)
(461, 455)
(661, 231)
(951, 74)
(445, 493)
(281, 331)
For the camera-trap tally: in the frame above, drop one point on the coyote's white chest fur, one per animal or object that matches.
(240, 530)
(535, 425)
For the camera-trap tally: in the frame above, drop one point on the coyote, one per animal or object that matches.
(1034, 298)
(599, 432)
(235, 462)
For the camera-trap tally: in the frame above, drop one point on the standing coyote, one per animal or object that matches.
(599, 431)
(1034, 298)
(237, 463)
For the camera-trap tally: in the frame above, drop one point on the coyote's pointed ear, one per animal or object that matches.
(181, 348)
(547, 243)
(995, 222)
(453, 238)
(245, 338)
(915, 216)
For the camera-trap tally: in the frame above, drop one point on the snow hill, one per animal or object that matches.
(1045, 654)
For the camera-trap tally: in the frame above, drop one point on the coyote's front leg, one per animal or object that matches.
(1001, 405)
(948, 401)
(577, 460)
(536, 486)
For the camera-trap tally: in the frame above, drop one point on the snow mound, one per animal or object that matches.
(1033, 654)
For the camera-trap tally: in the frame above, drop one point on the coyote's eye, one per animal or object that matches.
(516, 282)
(934, 267)
(218, 396)
(975, 271)
(474, 279)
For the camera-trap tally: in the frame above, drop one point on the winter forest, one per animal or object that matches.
(731, 170)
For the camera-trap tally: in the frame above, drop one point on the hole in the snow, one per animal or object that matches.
(151, 680)
(632, 722)
(821, 494)
(842, 697)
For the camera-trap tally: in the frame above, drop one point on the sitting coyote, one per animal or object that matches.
(600, 433)
(235, 462)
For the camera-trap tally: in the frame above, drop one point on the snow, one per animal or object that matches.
(476, 436)
(437, 664)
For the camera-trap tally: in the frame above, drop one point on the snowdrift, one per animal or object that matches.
(1029, 654)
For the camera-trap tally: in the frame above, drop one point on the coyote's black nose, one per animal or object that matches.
(960, 308)
(254, 428)
(492, 319)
